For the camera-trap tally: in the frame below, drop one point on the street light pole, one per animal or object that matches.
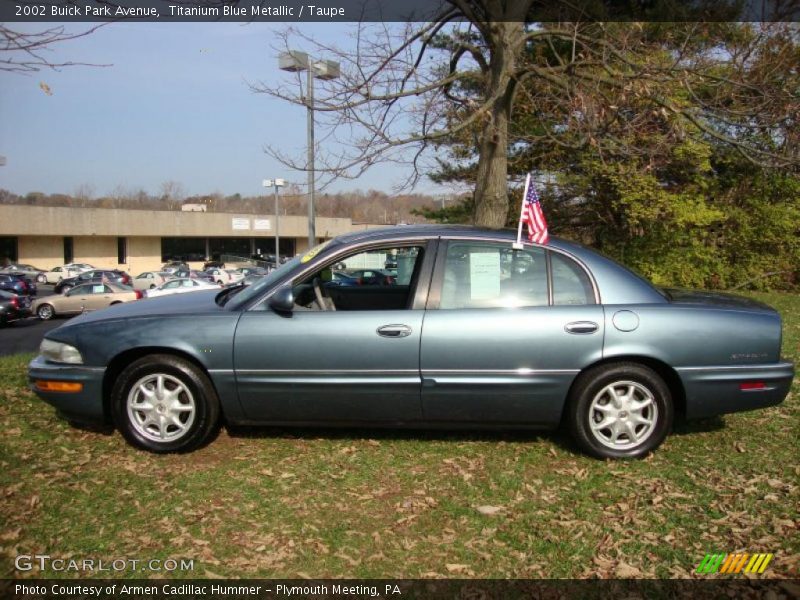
(312, 235)
(276, 183)
(295, 61)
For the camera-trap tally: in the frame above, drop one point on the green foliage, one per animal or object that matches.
(662, 173)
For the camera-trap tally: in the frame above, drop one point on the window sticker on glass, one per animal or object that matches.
(484, 272)
(313, 252)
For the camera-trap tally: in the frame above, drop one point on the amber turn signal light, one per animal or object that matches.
(59, 386)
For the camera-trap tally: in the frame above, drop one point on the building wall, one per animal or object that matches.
(18, 219)
(40, 233)
(144, 254)
(42, 251)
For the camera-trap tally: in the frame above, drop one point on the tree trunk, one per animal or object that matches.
(491, 187)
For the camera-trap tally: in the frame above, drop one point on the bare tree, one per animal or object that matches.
(28, 51)
(172, 194)
(406, 88)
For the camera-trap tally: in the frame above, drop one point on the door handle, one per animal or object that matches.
(394, 331)
(581, 327)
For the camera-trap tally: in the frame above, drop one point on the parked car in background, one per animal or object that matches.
(252, 271)
(372, 276)
(339, 278)
(150, 280)
(83, 298)
(56, 274)
(27, 270)
(17, 283)
(223, 277)
(173, 266)
(213, 264)
(180, 286)
(576, 339)
(96, 275)
(81, 267)
(13, 307)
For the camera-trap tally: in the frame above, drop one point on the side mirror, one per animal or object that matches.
(282, 301)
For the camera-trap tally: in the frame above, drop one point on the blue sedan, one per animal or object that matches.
(474, 332)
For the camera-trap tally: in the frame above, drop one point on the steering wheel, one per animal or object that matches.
(322, 301)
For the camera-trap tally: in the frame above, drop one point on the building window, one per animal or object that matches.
(8, 250)
(69, 254)
(237, 247)
(122, 250)
(193, 249)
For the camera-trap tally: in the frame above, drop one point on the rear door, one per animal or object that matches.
(500, 343)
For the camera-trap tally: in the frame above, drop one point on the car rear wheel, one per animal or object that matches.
(65, 289)
(41, 279)
(45, 312)
(163, 403)
(621, 410)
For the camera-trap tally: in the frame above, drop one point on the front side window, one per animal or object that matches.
(375, 279)
(490, 275)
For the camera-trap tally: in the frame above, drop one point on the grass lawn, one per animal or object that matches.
(291, 503)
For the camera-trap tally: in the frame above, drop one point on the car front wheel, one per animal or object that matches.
(45, 312)
(621, 410)
(163, 403)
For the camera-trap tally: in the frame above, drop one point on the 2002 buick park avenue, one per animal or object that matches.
(464, 331)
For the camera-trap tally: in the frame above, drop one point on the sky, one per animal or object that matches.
(175, 105)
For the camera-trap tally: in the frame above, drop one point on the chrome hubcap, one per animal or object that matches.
(161, 407)
(623, 415)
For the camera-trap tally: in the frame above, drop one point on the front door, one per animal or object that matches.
(346, 353)
(501, 346)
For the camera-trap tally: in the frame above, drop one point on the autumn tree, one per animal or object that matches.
(407, 89)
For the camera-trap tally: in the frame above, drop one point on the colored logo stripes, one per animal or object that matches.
(734, 563)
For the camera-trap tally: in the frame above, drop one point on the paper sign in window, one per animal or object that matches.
(484, 274)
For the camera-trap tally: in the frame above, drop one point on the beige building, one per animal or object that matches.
(139, 240)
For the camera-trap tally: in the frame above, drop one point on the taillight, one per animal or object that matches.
(138, 294)
(15, 302)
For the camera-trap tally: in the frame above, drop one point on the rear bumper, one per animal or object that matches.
(85, 406)
(717, 390)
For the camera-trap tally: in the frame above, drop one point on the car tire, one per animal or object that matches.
(631, 399)
(45, 312)
(220, 282)
(184, 417)
(152, 287)
(41, 279)
(65, 289)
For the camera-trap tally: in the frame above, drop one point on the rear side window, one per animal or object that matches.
(490, 275)
(571, 284)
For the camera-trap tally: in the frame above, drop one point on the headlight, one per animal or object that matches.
(58, 352)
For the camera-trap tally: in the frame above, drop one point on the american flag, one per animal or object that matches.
(533, 216)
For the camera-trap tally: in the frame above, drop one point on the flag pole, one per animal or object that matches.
(518, 244)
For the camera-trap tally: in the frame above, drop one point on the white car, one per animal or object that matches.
(181, 286)
(150, 280)
(56, 274)
(80, 267)
(225, 277)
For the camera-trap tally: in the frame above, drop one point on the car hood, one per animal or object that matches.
(193, 303)
(715, 299)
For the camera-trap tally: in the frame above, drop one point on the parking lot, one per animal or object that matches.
(26, 335)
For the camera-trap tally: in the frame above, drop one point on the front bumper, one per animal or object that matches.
(714, 391)
(85, 406)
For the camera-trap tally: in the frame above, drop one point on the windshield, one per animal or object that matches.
(256, 289)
